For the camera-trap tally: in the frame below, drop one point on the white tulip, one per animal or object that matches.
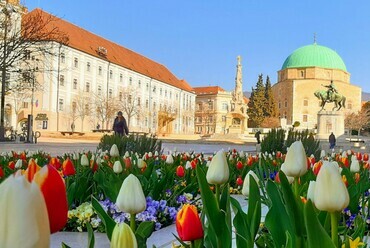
(98, 160)
(246, 183)
(127, 154)
(84, 160)
(123, 236)
(322, 154)
(241, 154)
(75, 156)
(117, 167)
(156, 153)
(141, 163)
(218, 171)
(169, 159)
(344, 154)
(25, 222)
(150, 154)
(187, 165)
(311, 191)
(331, 193)
(355, 165)
(114, 151)
(295, 160)
(131, 197)
(290, 179)
(19, 164)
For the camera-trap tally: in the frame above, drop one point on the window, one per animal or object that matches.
(160, 91)
(100, 71)
(154, 106)
(87, 87)
(75, 63)
(87, 109)
(75, 84)
(199, 107)
(305, 102)
(210, 104)
(139, 83)
(286, 104)
(147, 87)
(304, 118)
(61, 80)
(120, 96)
(25, 105)
(138, 101)
(165, 93)
(120, 77)
(110, 93)
(111, 74)
(170, 94)
(99, 90)
(62, 58)
(74, 107)
(27, 54)
(61, 104)
(279, 105)
(88, 66)
(130, 81)
(224, 106)
(146, 103)
(302, 74)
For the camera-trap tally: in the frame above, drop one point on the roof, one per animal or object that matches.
(208, 90)
(314, 56)
(93, 44)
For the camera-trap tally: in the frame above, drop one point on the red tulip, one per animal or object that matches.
(193, 163)
(180, 171)
(188, 224)
(53, 188)
(31, 170)
(11, 165)
(94, 166)
(239, 181)
(365, 157)
(68, 168)
(250, 161)
(55, 162)
(316, 168)
(345, 162)
(359, 156)
(1, 172)
(23, 156)
(239, 165)
(127, 163)
(278, 154)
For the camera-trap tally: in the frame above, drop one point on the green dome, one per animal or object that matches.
(314, 55)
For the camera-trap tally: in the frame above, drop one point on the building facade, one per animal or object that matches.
(306, 70)
(85, 82)
(221, 112)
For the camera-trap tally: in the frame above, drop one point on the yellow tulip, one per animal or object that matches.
(331, 193)
(295, 160)
(123, 236)
(131, 197)
(24, 222)
(218, 171)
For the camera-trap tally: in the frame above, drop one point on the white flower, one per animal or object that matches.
(123, 236)
(19, 164)
(150, 154)
(156, 153)
(127, 154)
(246, 183)
(355, 166)
(218, 171)
(114, 151)
(187, 165)
(241, 154)
(311, 191)
(141, 163)
(169, 159)
(84, 160)
(322, 154)
(295, 160)
(131, 197)
(117, 167)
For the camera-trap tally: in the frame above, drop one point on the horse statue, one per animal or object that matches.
(338, 99)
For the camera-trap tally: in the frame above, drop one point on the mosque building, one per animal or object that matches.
(307, 70)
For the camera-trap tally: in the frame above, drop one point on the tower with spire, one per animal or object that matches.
(238, 91)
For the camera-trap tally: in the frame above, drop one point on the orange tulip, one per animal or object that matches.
(316, 168)
(55, 162)
(31, 170)
(357, 177)
(127, 163)
(365, 157)
(180, 171)
(11, 165)
(345, 161)
(53, 188)
(188, 224)
(94, 166)
(68, 168)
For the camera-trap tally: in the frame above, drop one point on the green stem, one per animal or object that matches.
(192, 244)
(334, 228)
(296, 187)
(132, 222)
(218, 195)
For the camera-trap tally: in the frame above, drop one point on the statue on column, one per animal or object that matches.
(238, 92)
(331, 95)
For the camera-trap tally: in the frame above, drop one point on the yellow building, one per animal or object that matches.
(305, 71)
(221, 112)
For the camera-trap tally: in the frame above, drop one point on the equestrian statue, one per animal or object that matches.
(331, 95)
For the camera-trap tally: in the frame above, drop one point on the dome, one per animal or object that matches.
(314, 55)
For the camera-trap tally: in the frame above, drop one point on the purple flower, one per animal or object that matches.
(181, 199)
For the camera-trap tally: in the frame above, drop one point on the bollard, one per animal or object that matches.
(36, 136)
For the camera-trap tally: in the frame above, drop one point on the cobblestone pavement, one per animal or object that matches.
(57, 146)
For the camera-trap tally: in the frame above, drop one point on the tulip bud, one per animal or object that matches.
(141, 163)
(123, 236)
(114, 151)
(355, 165)
(188, 165)
(180, 172)
(131, 197)
(330, 192)
(188, 224)
(98, 160)
(31, 170)
(68, 168)
(75, 156)
(169, 159)
(156, 153)
(84, 160)
(311, 191)
(150, 154)
(127, 154)
(245, 190)
(53, 188)
(19, 164)
(322, 154)
(218, 171)
(25, 221)
(295, 161)
(117, 167)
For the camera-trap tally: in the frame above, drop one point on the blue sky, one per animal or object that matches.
(199, 40)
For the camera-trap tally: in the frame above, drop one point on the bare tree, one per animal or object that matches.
(23, 37)
(106, 108)
(83, 107)
(356, 121)
(130, 103)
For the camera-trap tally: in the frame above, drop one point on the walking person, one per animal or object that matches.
(332, 140)
(120, 125)
(258, 136)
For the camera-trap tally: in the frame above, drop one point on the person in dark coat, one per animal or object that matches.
(332, 140)
(120, 125)
(257, 135)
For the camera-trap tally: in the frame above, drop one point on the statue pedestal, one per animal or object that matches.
(328, 122)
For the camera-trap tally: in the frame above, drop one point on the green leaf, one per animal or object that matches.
(145, 229)
(254, 207)
(109, 223)
(316, 234)
(277, 219)
(65, 246)
(289, 241)
(91, 237)
(240, 221)
(181, 242)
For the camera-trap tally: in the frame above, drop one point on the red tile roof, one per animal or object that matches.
(208, 90)
(88, 42)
